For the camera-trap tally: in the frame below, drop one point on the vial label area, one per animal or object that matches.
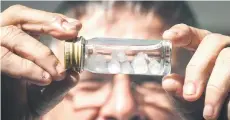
(120, 63)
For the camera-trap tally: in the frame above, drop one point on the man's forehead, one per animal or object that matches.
(121, 23)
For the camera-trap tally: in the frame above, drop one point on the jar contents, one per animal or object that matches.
(119, 63)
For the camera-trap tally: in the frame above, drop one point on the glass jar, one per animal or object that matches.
(119, 56)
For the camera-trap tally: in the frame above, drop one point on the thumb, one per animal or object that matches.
(173, 83)
(57, 25)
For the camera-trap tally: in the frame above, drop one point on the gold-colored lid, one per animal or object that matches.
(74, 54)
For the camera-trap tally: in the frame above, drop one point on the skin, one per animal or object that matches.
(28, 66)
(207, 71)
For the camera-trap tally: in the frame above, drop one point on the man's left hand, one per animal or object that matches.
(208, 70)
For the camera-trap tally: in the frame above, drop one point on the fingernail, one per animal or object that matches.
(46, 79)
(70, 25)
(45, 76)
(60, 71)
(208, 111)
(189, 89)
(170, 33)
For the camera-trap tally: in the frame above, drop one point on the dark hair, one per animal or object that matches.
(171, 12)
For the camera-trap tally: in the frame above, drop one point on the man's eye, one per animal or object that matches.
(89, 86)
(143, 80)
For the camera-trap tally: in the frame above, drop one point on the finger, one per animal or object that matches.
(27, 47)
(57, 25)
(185, 36)
(53, 94)
(200, 66)
(173, 83)
(18, 67)
(218, 85)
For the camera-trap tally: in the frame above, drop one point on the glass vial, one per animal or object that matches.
(119, 56)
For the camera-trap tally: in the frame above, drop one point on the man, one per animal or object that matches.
(99, 96)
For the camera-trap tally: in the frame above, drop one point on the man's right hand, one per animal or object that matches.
(26, 60)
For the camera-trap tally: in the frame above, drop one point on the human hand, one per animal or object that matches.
(208, 70)
(25, 61)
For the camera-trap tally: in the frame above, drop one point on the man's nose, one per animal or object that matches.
(120, 104)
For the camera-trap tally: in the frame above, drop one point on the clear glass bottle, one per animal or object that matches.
(119, 56)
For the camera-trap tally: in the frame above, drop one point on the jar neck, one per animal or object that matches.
(74, 53)
(168, 48)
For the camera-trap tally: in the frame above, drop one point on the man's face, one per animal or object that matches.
(101, 96)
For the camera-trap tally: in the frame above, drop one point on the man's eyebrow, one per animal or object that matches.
(96, 78)
(91, 80)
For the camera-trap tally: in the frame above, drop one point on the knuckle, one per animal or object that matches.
(16, 7)
(9, 29)
(182, 25)
(11, 10)
(56, 18)
(10, 32)
(213, 36)
(10, 35)
(5, 54)
(184, 29)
